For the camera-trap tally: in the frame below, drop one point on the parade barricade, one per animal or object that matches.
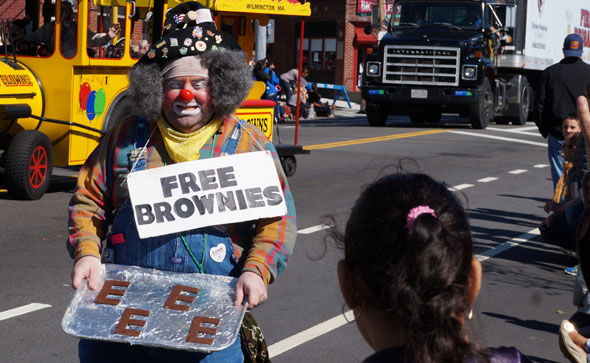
(340, 91)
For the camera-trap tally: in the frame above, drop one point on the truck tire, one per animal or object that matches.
(525, 102)
(377, 114)
(480, 113)
(29, 163)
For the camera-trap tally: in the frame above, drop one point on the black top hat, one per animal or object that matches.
(187, 32)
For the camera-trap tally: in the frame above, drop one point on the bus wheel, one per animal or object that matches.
(289, 164)
(29, 162)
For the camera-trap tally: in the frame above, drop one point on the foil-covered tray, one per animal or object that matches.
(156, 308)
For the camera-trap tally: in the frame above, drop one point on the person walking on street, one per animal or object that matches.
(561, 84)
(185, 98)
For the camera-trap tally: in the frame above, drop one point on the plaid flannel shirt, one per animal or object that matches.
(100, 192)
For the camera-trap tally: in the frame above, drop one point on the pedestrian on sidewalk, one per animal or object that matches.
(561, 83)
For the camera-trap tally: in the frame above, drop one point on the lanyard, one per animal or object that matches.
(188, 249)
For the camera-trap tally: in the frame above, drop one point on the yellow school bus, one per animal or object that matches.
(60, 91)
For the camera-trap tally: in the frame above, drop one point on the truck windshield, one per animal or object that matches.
(436, 13)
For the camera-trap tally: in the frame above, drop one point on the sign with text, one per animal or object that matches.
(203, 193)
(156, 308)
(364, 7)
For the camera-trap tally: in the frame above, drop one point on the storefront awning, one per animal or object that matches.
(365, 39)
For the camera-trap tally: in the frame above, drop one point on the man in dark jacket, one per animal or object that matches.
(561, 84)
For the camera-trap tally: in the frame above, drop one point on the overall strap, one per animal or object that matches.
(138, 155)
(231, 144)
(140, 132)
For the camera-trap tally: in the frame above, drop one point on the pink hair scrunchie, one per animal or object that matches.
(415, 212)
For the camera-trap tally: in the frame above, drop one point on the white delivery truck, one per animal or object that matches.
(482, 59)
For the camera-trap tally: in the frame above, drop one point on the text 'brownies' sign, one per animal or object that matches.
(202, 193)
(156, 308)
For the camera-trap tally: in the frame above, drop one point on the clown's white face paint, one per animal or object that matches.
(188, 115)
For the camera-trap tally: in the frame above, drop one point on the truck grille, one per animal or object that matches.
(436, 66)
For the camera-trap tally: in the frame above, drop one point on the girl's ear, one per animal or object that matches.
(348, 284)
(474, 281)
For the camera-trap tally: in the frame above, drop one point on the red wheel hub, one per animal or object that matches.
(38, 167)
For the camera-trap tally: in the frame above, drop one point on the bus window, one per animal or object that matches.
(69, 29)
(41, 41)
(140, 25)
(105, 26)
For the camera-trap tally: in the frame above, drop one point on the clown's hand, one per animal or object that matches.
(86, 267)
(253, 286)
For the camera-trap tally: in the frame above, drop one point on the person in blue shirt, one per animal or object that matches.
(272, 87)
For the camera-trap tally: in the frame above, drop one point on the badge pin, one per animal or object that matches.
(217, 253)
(188, 42)
(218, 39)
(183, 50)
(201, 45)
(151, 53)
(197, 32)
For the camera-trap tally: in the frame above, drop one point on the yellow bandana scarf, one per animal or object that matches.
(185, 147)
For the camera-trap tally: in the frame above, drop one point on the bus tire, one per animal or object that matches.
(29, 163)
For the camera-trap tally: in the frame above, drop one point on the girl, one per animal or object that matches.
(409, 274)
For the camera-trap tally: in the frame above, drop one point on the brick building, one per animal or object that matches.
(334, 42)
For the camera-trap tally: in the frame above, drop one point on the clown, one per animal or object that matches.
(185, 91)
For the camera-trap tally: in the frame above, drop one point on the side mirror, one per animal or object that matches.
(368, 29)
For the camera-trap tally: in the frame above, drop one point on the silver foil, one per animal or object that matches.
(148, 290)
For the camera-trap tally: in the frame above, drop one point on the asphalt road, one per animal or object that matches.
(501, 173)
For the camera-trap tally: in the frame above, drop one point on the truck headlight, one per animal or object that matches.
(469, 72)
(373, 69)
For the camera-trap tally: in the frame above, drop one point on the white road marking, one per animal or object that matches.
(22, 310)
(539, 166)
(313, 229)
(507, 245)
(460, 187)
(500, 138)
(520, 130)
(338, 321)
(488, 179)
(517, 171)
(308, 334)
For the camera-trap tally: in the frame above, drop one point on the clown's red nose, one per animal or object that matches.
(186, 95)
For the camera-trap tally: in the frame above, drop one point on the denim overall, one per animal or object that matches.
(169, 253)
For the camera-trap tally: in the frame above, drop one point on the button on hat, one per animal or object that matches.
(573, 46)
(188, 30)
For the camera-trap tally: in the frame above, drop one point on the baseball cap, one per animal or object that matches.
(573, 46)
